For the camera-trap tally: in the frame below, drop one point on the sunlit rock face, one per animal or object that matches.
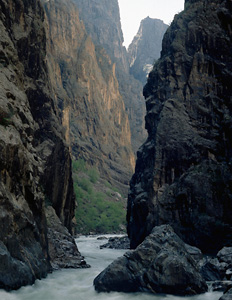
(35, 164)
(93, 112)
(183, 171)
(102, 22)
(146, 47)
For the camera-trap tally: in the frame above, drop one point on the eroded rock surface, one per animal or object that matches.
(63, 251)
(87, 92)
(161, 264)
(35, 164)
(145, 48)
(102, 22)
(122, 242)
(227, 295)
(183, 171)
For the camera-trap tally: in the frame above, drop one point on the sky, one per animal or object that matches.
(134, 11)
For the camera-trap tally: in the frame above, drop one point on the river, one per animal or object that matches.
(70, 284)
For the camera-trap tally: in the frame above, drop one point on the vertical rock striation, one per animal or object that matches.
(183, 171)
(35, 164)
(146, 47)
(102, 22)
(87, 92)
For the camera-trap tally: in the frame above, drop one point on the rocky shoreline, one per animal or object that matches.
(163, 263)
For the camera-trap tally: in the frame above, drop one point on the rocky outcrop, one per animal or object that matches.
(35, 164)
(183, 171)
(122, 242)
(218, 269)
(146, 47)
(227, 295)
(86, 87)
(161, 264)
(63, 251)
(102, 22)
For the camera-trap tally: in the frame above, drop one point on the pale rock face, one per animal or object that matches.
(93, 112)
(183, 171)
(146, 47)
(102, 22)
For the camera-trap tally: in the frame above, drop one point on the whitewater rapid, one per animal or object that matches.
(77, 284)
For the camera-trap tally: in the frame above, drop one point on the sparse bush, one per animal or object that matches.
(93, 175)
(79, 165)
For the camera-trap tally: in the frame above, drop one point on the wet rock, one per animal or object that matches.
(222, 286)
(117, 243)
(161, 264)
(100, 238)
(62, 248)
(225, 255)
(194, 252)
(227, 295)
(210, 270)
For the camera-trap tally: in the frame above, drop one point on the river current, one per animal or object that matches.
(77, 284)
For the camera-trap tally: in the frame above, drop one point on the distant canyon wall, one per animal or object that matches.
(146, 47)
(87, 91)
(102, 22)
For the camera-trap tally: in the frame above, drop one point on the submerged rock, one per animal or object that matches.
(161, 264)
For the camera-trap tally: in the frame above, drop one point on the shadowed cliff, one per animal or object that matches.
(183, 171)
(35, 164)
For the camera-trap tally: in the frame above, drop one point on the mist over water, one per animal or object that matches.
(77, 284)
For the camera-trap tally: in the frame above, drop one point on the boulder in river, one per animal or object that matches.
(161, 264)
(116, 242)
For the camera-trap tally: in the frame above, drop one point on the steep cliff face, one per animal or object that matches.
(183, 171)
(146, 47)
(87, 91)
(102, 21)
(35, 165)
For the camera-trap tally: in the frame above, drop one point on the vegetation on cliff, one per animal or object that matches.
(100, 207)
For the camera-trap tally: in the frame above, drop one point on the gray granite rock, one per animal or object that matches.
(161, 264)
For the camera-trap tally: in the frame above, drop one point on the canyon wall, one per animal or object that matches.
(102, 22)
(35, 163)
(183, 171)
(87, 92)
(145, 48)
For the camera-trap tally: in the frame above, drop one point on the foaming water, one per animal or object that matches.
(72, 284)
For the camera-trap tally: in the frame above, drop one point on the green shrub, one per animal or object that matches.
(79, 165)
(95, 213)
(85, 184)
(93, 175)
